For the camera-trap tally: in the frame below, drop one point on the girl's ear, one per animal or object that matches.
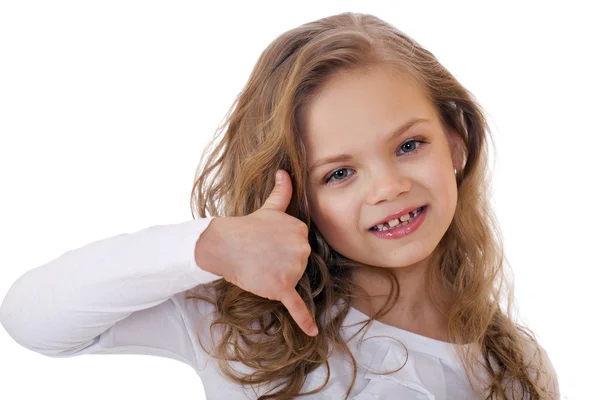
(457, 149)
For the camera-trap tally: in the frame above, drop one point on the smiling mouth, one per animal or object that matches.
(398, 222)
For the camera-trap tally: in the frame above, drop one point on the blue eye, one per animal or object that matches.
(339, 176)
(336, 174)
(413, 147)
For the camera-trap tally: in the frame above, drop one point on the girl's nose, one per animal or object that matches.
(387, 186)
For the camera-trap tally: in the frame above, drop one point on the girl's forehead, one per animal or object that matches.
(375, 103)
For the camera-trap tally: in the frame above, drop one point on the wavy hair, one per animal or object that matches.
(261, 135)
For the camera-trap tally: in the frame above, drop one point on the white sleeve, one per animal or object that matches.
(121, 294)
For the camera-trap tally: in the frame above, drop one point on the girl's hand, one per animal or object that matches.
(264, 253)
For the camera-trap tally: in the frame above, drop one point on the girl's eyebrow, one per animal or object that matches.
(345, 157)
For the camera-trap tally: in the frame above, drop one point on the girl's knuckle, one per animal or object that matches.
(307, 249)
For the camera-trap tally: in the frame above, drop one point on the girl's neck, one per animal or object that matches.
(414, 310)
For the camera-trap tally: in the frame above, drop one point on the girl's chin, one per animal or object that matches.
(402, 259)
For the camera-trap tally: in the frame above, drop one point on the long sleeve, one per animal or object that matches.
(122, 294)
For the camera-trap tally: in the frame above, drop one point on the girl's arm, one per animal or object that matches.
(122, 294)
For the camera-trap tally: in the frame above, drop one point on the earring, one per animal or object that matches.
(454, 171)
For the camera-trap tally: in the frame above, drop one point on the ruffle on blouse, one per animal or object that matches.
(383, 348)
(421, 378)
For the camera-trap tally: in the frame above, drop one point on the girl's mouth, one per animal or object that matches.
(397, 228)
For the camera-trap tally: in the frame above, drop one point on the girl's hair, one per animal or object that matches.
(262, 136)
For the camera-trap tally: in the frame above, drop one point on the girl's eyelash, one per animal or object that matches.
(327, 180)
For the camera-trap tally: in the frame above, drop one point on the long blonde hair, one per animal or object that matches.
(261, 135)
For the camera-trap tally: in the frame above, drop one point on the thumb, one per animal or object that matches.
(280, 196)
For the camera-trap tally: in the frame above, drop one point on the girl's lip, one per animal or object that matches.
(401, 231)
(398, 214)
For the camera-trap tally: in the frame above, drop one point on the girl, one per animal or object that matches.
(373, 269)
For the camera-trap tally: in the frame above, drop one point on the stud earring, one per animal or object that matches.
(454, 171)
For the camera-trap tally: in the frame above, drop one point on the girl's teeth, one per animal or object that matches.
(405, 219)
(393, 222)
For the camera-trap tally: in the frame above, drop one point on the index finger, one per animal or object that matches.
(299, 312)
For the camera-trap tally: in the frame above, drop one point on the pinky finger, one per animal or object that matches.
(299, 312)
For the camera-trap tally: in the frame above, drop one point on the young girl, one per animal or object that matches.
(372, 269)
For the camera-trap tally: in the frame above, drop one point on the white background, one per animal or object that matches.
(106, 106)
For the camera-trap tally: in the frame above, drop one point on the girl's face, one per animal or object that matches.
(390, 165)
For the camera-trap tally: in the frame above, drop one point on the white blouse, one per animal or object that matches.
(126, 294)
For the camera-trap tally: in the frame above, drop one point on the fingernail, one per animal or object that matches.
(278, 177)
(314, 331)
